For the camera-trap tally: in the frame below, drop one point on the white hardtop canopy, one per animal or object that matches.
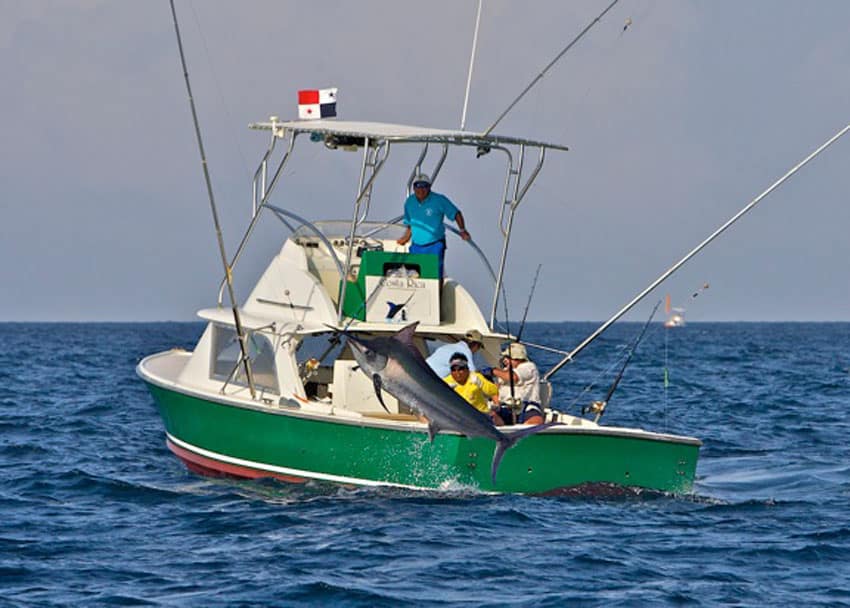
(396, 133)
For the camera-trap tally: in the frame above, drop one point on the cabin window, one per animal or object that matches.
(226, 353)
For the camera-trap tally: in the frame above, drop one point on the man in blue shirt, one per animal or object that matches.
(423, 215)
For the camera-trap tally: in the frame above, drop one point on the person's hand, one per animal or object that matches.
(464, 234)
(403, 240)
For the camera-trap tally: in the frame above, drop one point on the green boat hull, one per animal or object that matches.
(221, 438)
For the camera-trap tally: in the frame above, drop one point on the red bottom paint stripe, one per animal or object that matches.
(216, 468)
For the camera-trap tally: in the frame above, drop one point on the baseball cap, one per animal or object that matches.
(421, 180)
(516, 351)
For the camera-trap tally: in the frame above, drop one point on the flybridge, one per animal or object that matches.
(375, 140)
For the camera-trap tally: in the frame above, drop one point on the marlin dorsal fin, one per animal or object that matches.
(405, 336)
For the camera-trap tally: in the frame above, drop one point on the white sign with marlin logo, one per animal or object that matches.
(403, 298)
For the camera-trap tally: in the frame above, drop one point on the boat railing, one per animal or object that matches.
(417, 168)
(263, 188)
(511, 201)
(373, 162)
(282, 214)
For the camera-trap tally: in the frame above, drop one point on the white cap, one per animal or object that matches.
(516, 351)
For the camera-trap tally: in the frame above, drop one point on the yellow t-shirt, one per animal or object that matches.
(477, 390)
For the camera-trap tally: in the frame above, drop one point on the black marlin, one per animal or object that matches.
(396, 365)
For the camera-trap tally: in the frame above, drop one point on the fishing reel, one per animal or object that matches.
(596, 407)
(309, 369)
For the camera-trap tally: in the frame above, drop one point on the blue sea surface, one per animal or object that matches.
(94, 509)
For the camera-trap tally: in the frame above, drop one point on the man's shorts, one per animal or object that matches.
(437, 248)
(530, 409)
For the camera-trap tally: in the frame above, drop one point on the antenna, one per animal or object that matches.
(471, 63)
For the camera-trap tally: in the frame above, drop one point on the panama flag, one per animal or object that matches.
(317, 103)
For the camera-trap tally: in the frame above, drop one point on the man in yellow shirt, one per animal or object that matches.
(473, 387)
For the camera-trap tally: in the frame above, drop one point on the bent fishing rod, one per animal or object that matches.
(518, 338)
(228, 271)
(528, 304)
(568, 357)
(598, 407)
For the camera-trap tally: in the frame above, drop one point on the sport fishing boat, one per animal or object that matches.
(675, 315)
(272, 388)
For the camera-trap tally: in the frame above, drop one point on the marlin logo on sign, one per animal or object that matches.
(316, 103)
(395, 308)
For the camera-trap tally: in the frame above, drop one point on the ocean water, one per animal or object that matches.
(94, 510)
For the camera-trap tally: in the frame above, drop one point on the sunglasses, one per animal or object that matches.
(421, 185)
(458, 367)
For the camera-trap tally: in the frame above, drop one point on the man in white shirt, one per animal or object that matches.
(523, 398)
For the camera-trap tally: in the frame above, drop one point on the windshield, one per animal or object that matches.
(340, 229)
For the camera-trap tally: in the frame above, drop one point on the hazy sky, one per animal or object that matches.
(673, 125)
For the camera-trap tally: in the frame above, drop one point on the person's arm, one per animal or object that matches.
(406, 221)
(405, 237)
(504, 374)
(464, 233)
(489, 389)
(525, 372)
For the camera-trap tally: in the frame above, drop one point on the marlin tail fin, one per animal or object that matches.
(509, 440)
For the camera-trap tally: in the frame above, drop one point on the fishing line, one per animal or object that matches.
(615, 363)
(235, 139)
(625, 353)
(598, 407)
(542, 73)
(666, 377)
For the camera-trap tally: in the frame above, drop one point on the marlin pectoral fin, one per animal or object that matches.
(376, 381)
(433, 429)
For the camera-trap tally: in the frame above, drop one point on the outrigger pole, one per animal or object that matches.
(546, 69)
(567, 358)
(227, 269)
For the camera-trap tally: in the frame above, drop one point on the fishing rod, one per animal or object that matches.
(510, 367)
(598, 407)
(693, 252)
(551, 63)
(528, 304)
(228, 272)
